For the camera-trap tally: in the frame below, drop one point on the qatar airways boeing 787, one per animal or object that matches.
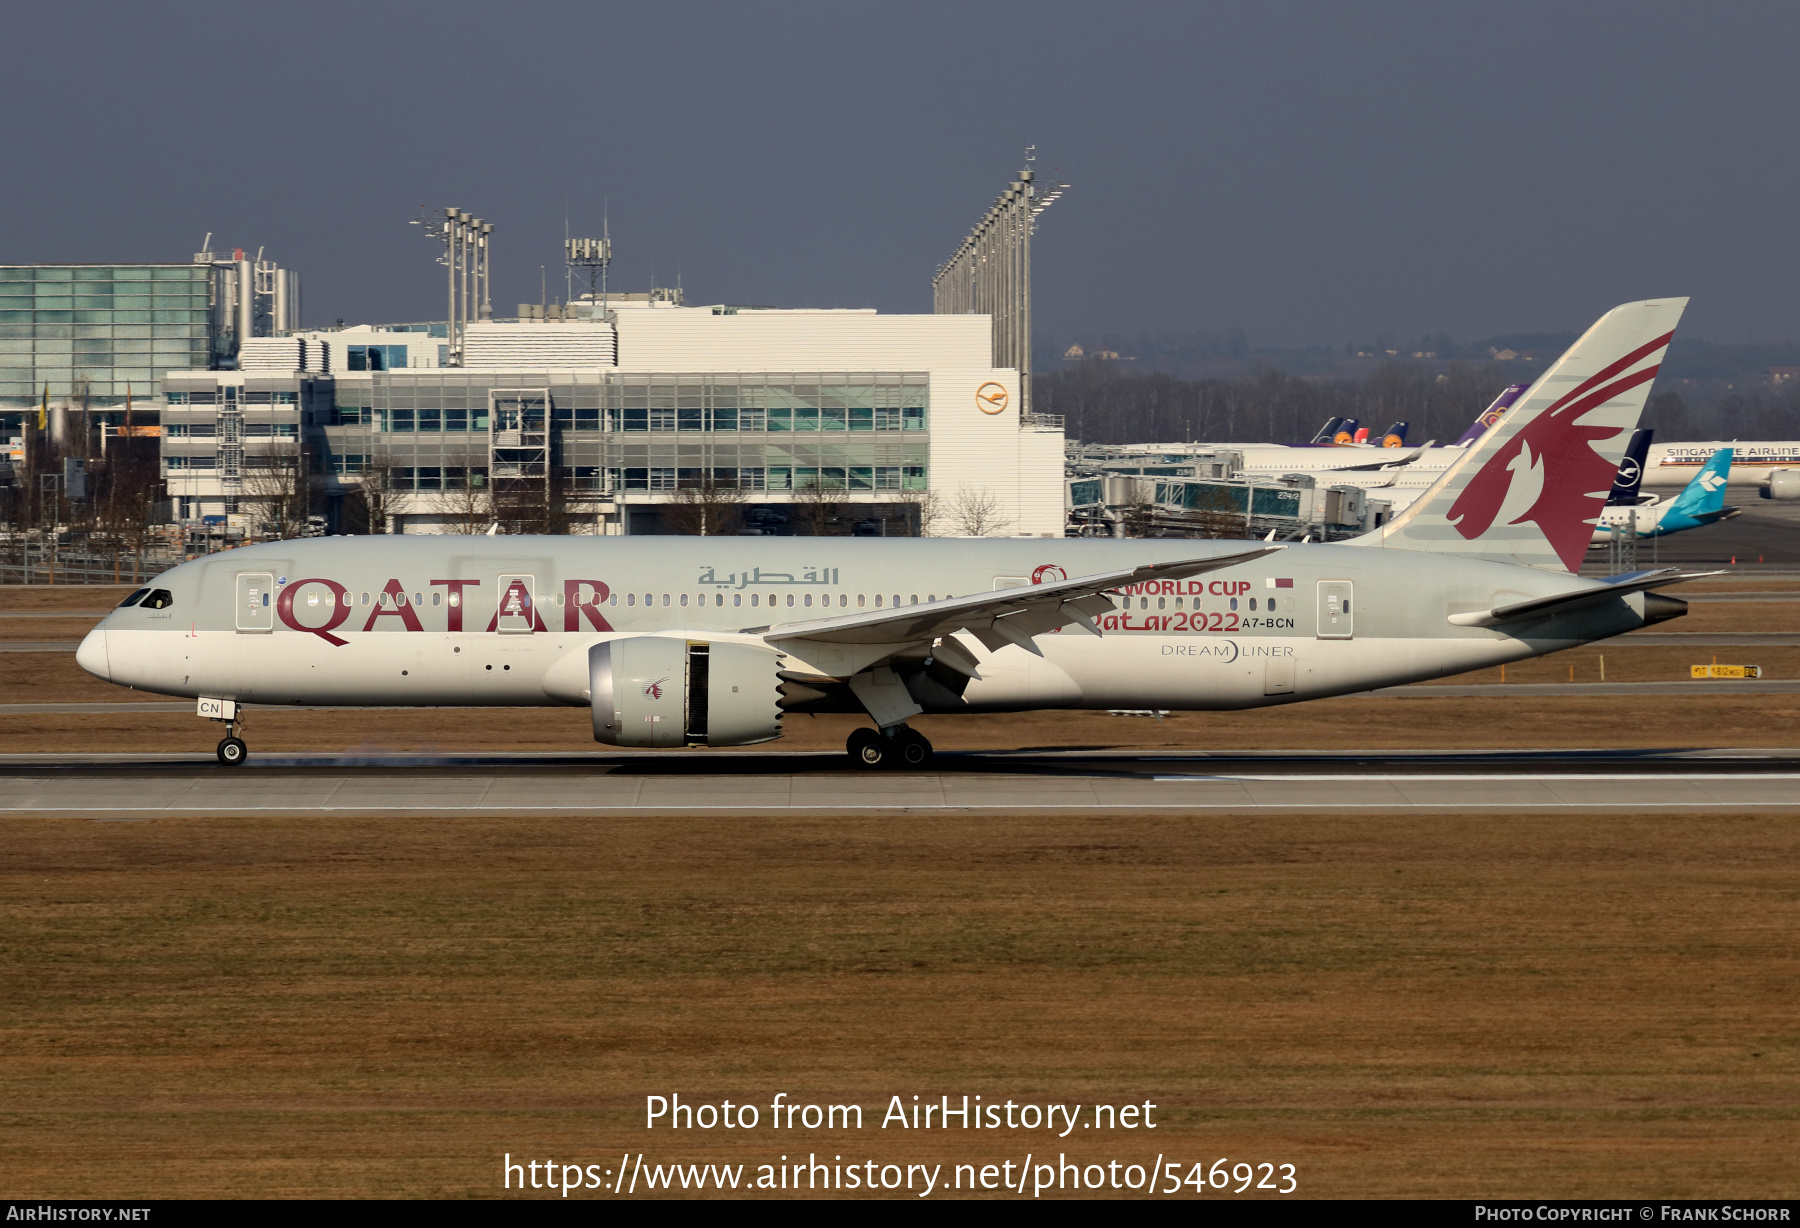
(712, 641)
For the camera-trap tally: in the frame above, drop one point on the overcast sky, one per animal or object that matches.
(1310, 172)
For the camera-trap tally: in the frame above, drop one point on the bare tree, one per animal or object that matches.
(923, 510)
(818, 502)
(371, 504)
(465, 503)
(125, 488)
(128, 487)
(978, 512)
(276, 492)
(709, 509)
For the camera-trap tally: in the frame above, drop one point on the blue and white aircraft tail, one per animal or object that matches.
(1630, 477)
(1701, 502)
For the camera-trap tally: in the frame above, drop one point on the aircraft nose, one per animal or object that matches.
(91, 656)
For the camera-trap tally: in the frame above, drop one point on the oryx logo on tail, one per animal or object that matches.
(1530, 488)
(1549, 472)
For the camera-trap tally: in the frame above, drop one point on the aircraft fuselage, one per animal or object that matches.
(508, 621)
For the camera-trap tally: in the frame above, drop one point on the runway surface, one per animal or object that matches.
(1420, 690)
(144, 787)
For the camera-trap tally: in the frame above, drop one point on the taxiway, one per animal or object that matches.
(749, 783)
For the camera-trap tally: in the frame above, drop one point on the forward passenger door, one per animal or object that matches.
(255, 601)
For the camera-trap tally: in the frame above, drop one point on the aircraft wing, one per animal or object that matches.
(1562, 603)
(1004, 616)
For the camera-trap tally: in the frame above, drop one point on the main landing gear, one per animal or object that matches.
(894, 747)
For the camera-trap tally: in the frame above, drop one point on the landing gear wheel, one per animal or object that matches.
(232, 751)
(868, 749)
(913, 749)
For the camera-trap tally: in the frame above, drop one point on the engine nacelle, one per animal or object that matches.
(657, 690)
(1781, 484)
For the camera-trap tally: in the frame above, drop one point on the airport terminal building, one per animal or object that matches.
(90, 335)
(623, 418)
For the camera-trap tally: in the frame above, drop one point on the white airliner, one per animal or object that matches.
(1676, 464)
(1401, 474)
(711, 641)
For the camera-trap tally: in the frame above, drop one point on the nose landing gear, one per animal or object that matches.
(232, 752)
(894, 747)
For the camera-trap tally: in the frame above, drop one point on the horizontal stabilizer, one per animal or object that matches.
(1581, 598)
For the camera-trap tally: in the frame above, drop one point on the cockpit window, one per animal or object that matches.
(159, 599)
(134, 598)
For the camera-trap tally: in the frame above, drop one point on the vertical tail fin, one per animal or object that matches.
(1326, 431)
(1530, 490)
(1631, 468)
(1346, 431)
(1706, 493)
(1490, 415)
(1396, 435)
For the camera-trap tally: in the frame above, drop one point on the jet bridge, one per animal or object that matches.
(1146, 501)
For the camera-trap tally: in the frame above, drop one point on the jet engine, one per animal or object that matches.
(653, 690)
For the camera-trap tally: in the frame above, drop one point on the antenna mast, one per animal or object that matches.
(465, 238)
(590, 254)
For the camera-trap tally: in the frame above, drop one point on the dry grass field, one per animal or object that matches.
(1419, 1006)
(1413, 1005)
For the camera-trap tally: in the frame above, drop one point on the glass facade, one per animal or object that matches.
(99, 329)
(629, 431)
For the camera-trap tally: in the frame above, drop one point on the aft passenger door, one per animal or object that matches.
(1336, 618)
(255, 601)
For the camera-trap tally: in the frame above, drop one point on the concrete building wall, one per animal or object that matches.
(982, 452)
(421, 348)
(696, 339)
(886, 406)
